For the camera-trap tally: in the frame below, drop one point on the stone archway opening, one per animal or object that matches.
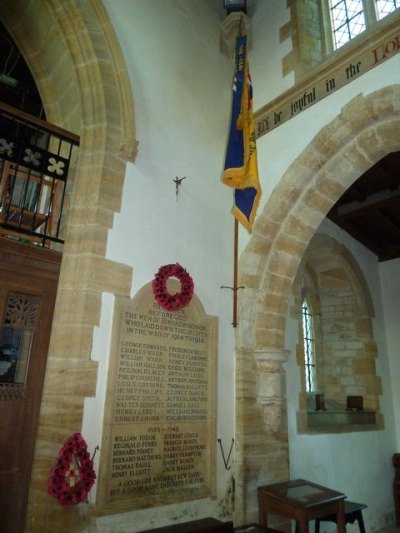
(362, 134)
(342, 341)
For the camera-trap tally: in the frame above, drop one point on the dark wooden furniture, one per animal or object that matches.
(302, 501)
(396, 486)
(204, 525)
(255, 528)
(355, 403)
(28, 288)
(352, 512)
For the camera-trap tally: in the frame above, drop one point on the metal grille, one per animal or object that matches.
(385, 7)
(348, 20)
(22, 310)
(35, 158)
(309, 345)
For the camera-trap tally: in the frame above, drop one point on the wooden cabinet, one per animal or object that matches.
(28, 285)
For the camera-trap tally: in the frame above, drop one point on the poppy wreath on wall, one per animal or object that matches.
(72, 477)
(172, 302)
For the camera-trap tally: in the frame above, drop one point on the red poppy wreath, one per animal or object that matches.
(172, 302)
(72, 477)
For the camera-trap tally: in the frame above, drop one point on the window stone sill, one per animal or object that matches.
(336, 419)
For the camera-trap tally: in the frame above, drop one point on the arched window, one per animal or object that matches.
(335, 349)
(309, 347)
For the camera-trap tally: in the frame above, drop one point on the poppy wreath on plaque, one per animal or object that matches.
(172, 302)
(72, 477)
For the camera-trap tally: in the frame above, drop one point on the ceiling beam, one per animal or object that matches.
(373, 201)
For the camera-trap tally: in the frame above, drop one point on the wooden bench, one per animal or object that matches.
(352, 512)
(204, 525)
(255, 528)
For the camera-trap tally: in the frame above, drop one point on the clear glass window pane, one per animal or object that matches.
(348, 20)
(385, 7)
(309, 347)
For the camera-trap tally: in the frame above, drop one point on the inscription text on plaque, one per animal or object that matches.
(159, 442)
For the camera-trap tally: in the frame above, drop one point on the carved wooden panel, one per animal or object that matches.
(28, 284)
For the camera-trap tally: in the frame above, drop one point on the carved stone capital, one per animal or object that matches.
(268, 358)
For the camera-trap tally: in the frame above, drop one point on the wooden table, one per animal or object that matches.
(302, 501)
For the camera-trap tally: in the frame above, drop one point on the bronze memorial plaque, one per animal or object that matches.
(159, 431)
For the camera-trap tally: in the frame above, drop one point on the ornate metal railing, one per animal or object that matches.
(35, 159)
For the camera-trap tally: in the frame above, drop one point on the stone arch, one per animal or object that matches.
(336, 273)
(364, 132)
(323, 249)
(77, 64)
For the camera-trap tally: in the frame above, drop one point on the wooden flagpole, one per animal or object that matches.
(235, 287)
(235, 272)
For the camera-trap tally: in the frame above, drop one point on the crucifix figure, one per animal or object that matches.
(178, 181)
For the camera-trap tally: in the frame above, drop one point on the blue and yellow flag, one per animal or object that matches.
(240, 170)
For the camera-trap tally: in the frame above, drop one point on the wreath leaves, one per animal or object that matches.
(74, 451)
(172, 302)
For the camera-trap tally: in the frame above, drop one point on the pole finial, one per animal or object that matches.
(241, 25)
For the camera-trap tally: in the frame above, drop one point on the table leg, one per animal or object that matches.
(304, 525)
(263, 517)
(360, 521)
(340, 518)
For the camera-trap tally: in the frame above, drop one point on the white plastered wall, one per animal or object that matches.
(389, 273)
(182, 88)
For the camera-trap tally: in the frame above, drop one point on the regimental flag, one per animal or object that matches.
(240, 170)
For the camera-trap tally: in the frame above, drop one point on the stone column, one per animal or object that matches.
(270, 393)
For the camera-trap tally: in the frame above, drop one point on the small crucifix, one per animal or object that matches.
(178, 181)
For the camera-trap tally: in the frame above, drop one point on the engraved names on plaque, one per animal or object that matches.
(159, 429)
